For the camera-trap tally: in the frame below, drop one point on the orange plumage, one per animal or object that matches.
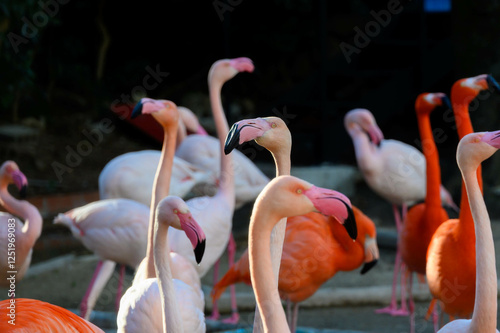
(32, 315)
(451, 256)
(314, 250)
(424, 218)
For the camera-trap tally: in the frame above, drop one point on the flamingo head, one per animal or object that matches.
(266, 132)
(332, 203)
(427, 102)
(165, 112)
(225, 69)
(465, 90)
(10, 174)
(362, 120)
(474, 148)
(175, 212)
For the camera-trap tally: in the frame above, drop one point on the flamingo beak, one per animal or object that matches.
(137, 110)
(194, 233)
(21, 182)
(333, 203)
(492, 84)
(368, 265)
(492, 138)
(243, 64)
(446, 102)
(232, 139)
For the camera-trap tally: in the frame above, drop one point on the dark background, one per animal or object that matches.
(64, 78)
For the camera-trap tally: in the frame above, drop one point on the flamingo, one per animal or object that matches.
(455, 237)
(471, 151)
(188, 124)
(31, 315)
(214, 214)
(395, 171)
(204, 151)
(304, 234)
(116, 231)
(283, 197)
(25, 235)
(424, 218)
(161, 303)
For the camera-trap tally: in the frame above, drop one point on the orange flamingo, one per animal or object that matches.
(424, 218)
(310, 239)
(452, 281)
(31, 315)
(285, 196)
(25, 233)
(471, 151)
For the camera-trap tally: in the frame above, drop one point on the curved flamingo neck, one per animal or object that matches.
(431, 154)
(484, 317)
(261, 270)
(161, 189)
(171, 315)
(226, 184)
(32, 227)
(364, 150)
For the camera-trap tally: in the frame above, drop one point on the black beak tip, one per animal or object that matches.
(232, 139)
(22, 191)
(199, 250)
(446, 102)
(137, 110)
(492, 83)
(350, 223)
(367, 266)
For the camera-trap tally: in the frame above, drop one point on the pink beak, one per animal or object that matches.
(492, 138)
(333, 203)
(244, 131)
(20, 181)
(375, 134)
(194, 233)
(242, 64)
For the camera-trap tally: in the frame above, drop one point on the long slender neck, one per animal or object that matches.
(161, 189)
(32, 227)
(464, 127)
(484, 317)
(226, 184)
(433, 169)
(281, 155)
(261, 273)
(171, 315)
(364, 150)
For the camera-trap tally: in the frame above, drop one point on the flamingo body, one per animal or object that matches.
(36, 316)
(131, 176)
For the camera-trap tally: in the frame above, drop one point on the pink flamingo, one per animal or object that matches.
(25, 234)
(285, 196)
(188, 124)
(116, 231)
(161, 303)
(473, 149)
(204, 151)
(396, 172)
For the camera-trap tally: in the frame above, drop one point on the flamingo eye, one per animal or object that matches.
(176, 211)
(273, 125)
(299, 191)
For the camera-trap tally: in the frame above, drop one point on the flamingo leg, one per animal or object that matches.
(231, 251)
(102, 274)
(295, 316)
(215, 308)
(392, 309)
(411, 302)
(119, 290)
